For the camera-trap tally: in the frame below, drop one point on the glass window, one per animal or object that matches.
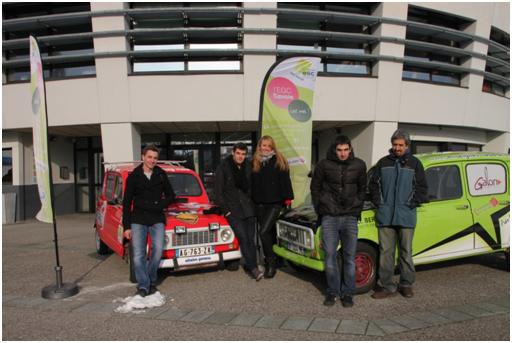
(184, 184)
(486, 179)
(119, 188)
(7, 166)
(443, 183)
(110, 186)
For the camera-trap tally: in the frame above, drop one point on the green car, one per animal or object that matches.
(468, 214)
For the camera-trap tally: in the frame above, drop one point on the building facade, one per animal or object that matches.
(187, 77)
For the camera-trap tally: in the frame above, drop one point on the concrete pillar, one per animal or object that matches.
(498, 142)
(121, 142)
(111, 73)
(387, 104)
(256, 66)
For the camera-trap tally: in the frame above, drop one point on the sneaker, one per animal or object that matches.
(406, 291)
(329, 300)
(257, 274)
(347, 301)
(141, 292)
(152, 289)
(383, 294)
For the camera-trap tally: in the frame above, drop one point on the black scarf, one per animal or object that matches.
(240, 177)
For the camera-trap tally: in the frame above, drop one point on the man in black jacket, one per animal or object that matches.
(232, 185)
(148, 192)
(338, 190)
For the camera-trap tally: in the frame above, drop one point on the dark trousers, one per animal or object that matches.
(244, 231)
(267, 215)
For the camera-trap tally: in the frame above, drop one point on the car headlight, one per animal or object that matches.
(213, 226)
(226, 235)
(180, 229)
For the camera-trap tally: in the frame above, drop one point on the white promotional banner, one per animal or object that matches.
(40, 133)
(486, 179)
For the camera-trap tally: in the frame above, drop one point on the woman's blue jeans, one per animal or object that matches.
(146, 270)
(334, 230)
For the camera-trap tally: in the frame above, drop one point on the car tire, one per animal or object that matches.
(129, 260)
(101, 248)
(366, 267)
(233, 265)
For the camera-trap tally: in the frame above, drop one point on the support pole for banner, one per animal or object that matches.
(59, 290)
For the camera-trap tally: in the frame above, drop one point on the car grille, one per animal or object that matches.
(192, 238)
(300, 235)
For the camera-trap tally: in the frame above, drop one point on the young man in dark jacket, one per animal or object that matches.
(397, 187)
(232, 194)
(148, 192)
(338, 189)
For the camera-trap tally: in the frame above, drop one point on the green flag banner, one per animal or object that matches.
(286, 116)
(40, 133)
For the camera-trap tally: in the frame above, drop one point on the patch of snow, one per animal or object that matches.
(138, 304)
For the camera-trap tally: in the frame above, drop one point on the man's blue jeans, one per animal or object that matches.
(334, 229)
(146, 270)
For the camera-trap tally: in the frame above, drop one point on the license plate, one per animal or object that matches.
(197, 251)
(296, 248)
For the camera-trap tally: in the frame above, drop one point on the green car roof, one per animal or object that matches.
(460, 156)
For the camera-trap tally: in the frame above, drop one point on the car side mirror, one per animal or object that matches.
(115, 201)
(181, 200)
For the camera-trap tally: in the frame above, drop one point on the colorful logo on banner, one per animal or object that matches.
(286, 116)
(40, 133)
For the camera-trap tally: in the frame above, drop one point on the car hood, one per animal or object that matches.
(191, 214)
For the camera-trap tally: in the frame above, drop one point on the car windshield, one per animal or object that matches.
(184, 184)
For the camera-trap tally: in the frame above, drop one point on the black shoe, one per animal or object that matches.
(270, 272)
(142, 292)
(329, 300)
(257, 274)
(347, 301)
(152, 289)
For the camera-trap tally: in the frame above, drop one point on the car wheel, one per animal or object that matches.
(129, 260)
(101, 248)
(232, 265)
(366, 267)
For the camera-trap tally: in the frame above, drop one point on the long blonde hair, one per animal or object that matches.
(281, 162)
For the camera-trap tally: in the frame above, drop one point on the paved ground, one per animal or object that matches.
(463, 300)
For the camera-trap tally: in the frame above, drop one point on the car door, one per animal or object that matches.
(488, 190)
(110, 222)
(445, 225)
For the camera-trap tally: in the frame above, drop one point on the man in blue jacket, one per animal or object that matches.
(397, 187)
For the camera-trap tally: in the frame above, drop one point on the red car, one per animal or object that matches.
(193, 239)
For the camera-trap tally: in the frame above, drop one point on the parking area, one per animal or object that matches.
(463, 300)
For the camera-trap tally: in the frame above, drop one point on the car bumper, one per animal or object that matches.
(299, 259)
(182, 262)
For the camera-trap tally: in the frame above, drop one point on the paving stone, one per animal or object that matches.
(7, 298)
(173, 314)
(352, 327)
(472, 310)
(374, 330)
(96, 308)
(296, 323)
(324, 325)
(151, 312)
(410, 322)
(61, 305)
(26, 302)
(245, 319)
(454, 315)
(270, 322)
(220, 318)
(389, 327)
(429, 317)
(196, 316)
(497, 309)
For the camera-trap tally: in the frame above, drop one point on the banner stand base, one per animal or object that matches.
(54, 292)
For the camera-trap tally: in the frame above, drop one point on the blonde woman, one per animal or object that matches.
(271, 190)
